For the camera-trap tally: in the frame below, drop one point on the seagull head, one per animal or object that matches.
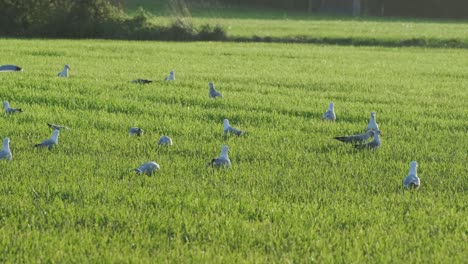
(6, 104)
(67, 67)
(224, 151)
(226, 123)
(413, 164)
(372, 114)
(211, 84)
(331, 106)
(172, 72)
(6, 141)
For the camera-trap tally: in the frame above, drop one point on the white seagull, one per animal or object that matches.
(375, 143)
(56, 127)
(372, 125)
(356, 139)
(171, 76)
(64, 73)
(213, 92)
(227, 128)
(135, 131)
(10, 68)
(50, 142)
(165, 140)
(147, 168)
(223, 160)
(412, 179)
(10, 110)
(330, 113)
(6, 152)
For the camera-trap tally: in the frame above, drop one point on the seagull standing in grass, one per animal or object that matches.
(147, 168)
(64, 73)
(50, 142)
(135, 131)
(227, 128)
(412, 179)
(372, 125)
(330, 113)
(6, 152)
(10, 110)
(213, 92)
(165, 140)
(223, 160)
(374, 144)
(357, 139)
(171, 76)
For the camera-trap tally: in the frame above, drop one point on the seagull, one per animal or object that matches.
(6, 152)
(142, 81)
(10, 68)
(165, 140)
(136, 131)
(50, 142)
(330, 113)
(229, 129)
(64, 73)
(223, 160)
(56, 127)
(10, 110)
(375, 143)
(412, 179)
(147, 168)
(372, 125)
(360, 139)
(213, 92)
(171, 76)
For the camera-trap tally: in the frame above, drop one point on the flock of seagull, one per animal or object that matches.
(360, 141)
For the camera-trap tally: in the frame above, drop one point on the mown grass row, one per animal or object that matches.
(293, 194)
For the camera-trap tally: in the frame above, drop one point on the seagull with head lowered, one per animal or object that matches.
(213, 92)
(10, 68)
(10, 110)
(374, 144)
(6, 152)
(330, 113)
(372, 125)
(56, 127)
(412, 179)
(356, 139)
(165, 140)
(135, 131)
(147, 168)
(223, 161)
(227, 128)
(171, 76)
(64, 72)
(50, 142)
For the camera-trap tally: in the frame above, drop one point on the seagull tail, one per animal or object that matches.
(342, 139)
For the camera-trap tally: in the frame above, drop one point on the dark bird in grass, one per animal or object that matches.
(374, 144)
(56, 127)
(135, 131)
(330, 113)
(10, 110)
(412, 179)
(64, 72)
(50, 142)
(10, 68)
(223, 160)
(356, 139)
(142, 81)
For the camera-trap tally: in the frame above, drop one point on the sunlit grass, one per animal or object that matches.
(292, 194)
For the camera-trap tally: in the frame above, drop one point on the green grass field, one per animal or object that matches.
(293, 194)
(243, 22)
